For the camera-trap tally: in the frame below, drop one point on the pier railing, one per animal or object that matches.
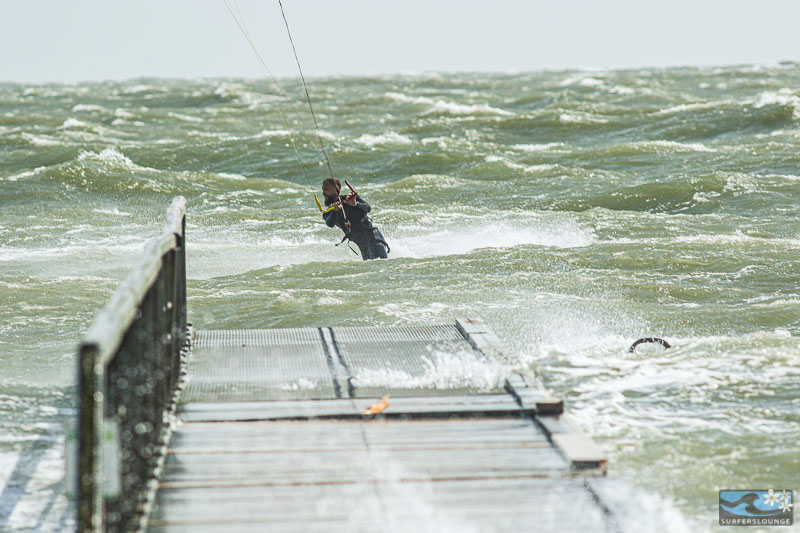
(129, 364)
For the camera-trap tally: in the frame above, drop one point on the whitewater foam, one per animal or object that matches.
(114, 211)
(537, 147)
(694, 106)
(41, 140)
(231, 176)
(185, 118)
(583, 118)
(73, 123)
(443, 106)
(442, 371)
(782, 97)
(109, 155)
(23, 175)
(673, 146)
(389, 137)
(88, 108)
(460, 235)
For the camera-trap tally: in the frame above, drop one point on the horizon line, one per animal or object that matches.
(422, 73)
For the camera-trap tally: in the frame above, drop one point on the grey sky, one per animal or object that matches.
(57, 40)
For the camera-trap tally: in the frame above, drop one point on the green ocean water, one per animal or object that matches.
(575, 211)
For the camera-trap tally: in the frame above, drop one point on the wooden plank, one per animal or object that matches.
(491, 505)
(538, 401)
(579, 450)
(576, 447)
(270, 410)
(485, 405)
(198, 437)
(472, 325)
(323, 466)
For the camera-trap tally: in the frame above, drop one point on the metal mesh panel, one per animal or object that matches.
(256, 337)
(253, 365)
(398, 333)
(402, 361)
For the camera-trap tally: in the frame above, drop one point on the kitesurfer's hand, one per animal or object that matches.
(350, 200)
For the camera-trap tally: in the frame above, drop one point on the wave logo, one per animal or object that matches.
(756, 507)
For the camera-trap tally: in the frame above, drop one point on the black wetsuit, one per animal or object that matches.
(362, 231)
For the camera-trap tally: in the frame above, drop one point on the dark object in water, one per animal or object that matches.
(654, 340)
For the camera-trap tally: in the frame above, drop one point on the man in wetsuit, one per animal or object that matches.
(361, 231)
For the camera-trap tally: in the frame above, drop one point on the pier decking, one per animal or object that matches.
(271, 438)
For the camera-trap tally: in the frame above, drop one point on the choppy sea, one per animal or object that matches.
(575, 211)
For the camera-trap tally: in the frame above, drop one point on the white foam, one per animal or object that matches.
(674, 145)
(517, 166)
(103, 248)
(591, 82)
(123, 122)
(136, 89)
(185, 118)
(400, 97)
(215, 248)
(539, 168)
(619, 89)
(329, 300)
(73, 123)
(108, 155)
(123, 113)
(326, 135)
(442, 371)
(442, 142)
(268, 133)
(425, 181)
(413, 311)
(443, 106)
(114, 211)
(440, 106)
(781, 97)
(574, 118)
(226, 175)
(582, 80)
(40, 493)
(536, 147)
(87, 107)
(690, 107)
(572, 80)
(389, 137)
(25, 174)
(300, 384)
(461, 235)
(41, 140)
(226, 90)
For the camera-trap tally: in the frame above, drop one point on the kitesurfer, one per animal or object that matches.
(350, 214)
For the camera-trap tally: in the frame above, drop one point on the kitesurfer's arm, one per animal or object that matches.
(362, 204)
(332, 217)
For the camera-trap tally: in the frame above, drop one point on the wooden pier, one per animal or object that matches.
(263, 430)
(271, 437)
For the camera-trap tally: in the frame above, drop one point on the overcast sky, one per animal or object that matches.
(58, 40)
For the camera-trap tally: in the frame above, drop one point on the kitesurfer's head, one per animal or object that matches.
(330, 190)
